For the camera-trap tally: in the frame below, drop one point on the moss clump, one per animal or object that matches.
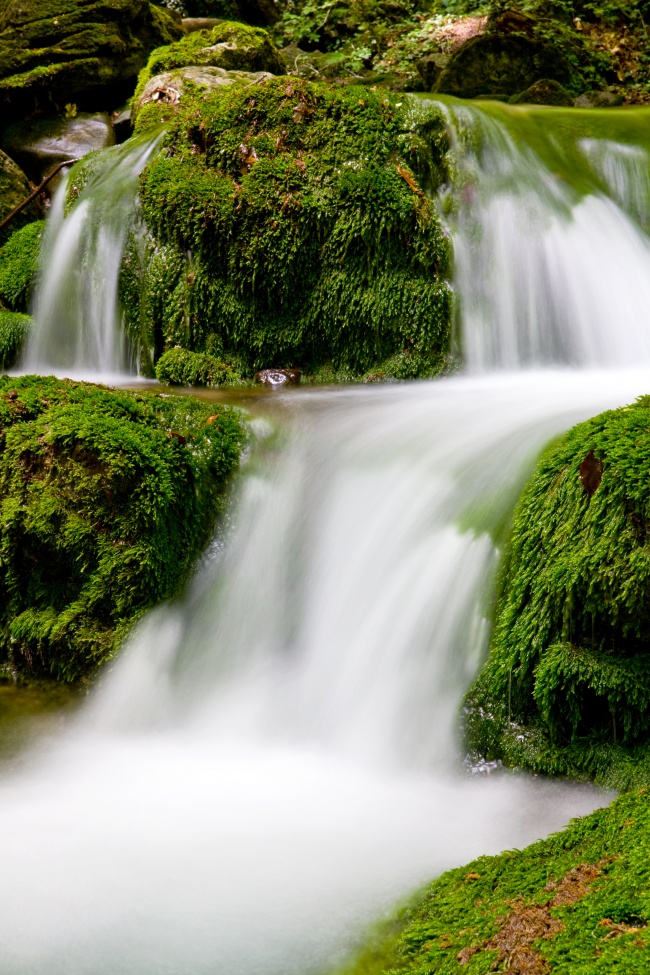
(179, 367)
(18, 265)
(14, 329)
(577, 903)
(232, 46)
(107, 497)
(54, 52)
(566, 687)
(290, 225)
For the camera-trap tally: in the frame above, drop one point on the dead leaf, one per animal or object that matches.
(408, 178)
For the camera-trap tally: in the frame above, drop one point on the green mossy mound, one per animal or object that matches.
(14, 329)
(232, 46)
(577, 903)
(290, 227)
(566, 688)
(179, 367)
(106, 498)
(19, 264)
(54, 52)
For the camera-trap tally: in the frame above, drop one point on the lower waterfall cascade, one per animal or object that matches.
(273, 761)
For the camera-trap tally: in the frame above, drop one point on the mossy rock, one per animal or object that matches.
(502, 64)
(56, 52)
(14, 189)
(179, 367)
(107, 497)
(576, 903)
(165, 93)
(544, 92)
(566, 688)
(18, 265)
(14, 329)
(291, 226)
(231, 46)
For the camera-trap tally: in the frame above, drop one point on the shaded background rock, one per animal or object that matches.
(168, 88)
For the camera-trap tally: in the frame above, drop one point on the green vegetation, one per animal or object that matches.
(290, 227)
(577, 903)
(18, 266)
(179, 367)
(566, 687)
(107, 497)
(14, 328)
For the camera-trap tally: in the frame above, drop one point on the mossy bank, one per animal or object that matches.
(566, 688)
(290, 226)
(577, 903)
(107, 497)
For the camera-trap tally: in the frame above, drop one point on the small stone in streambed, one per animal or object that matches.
(278, 377)
(598, 99)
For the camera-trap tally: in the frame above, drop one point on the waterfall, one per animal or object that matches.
(273, 760)
(78, 318)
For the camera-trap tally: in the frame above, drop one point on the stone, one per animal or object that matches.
(192, 24)
(278, 377)
(260, 13)
(544, 92)
(14, 188)
(430, 68)
(82, 52)
(169, 87)
(598, 99)
(501, 64)
(38, 146)
(123, 126)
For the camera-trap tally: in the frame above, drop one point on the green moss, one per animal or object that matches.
(232, 46)
(590, 883)
(182, 368)
(290, 224)
(566, 687)
(106, 498)
(18, 265)
(14, 329)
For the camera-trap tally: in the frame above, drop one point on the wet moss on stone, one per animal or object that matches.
(576, 903)
(14, 329)
(291, 226)
(18, 266)
(106, 498)
(566, 688)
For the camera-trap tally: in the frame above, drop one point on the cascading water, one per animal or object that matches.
(271, 763)
(78, 319)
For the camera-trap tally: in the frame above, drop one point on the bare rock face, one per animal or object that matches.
(501, 64)
(83, 52)
(41, 144)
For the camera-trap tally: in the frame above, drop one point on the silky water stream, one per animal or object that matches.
(273, 761)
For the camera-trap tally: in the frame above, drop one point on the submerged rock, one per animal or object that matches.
(566, 688)
(106, 498)
(54, 52)
(501, 64)
(39, 145)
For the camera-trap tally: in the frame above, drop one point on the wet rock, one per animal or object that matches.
(168, 88)
(544, 92)
(58, 52)
(278, 377)
(123, 126)
(501, 64)
(598, 99)
(14, 188)
(430, 69)
(38, 146)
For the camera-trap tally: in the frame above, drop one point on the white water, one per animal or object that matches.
(78, 319)
(273, 760)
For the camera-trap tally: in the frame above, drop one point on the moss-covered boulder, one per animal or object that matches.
(106, 498)
(577, 903)
(544, 92)
(172, 89)
(19, 264)
(14, 189)
(179, 367)
(87, 52)
(14, 329)
(566, 688)
(291, 226)
(231, 46)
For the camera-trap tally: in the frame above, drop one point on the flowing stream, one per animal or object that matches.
(273, 761)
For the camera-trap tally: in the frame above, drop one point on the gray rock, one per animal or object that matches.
(598, 99)
(278, 377)
(192, 24)
(38, 146)
(168, 88)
